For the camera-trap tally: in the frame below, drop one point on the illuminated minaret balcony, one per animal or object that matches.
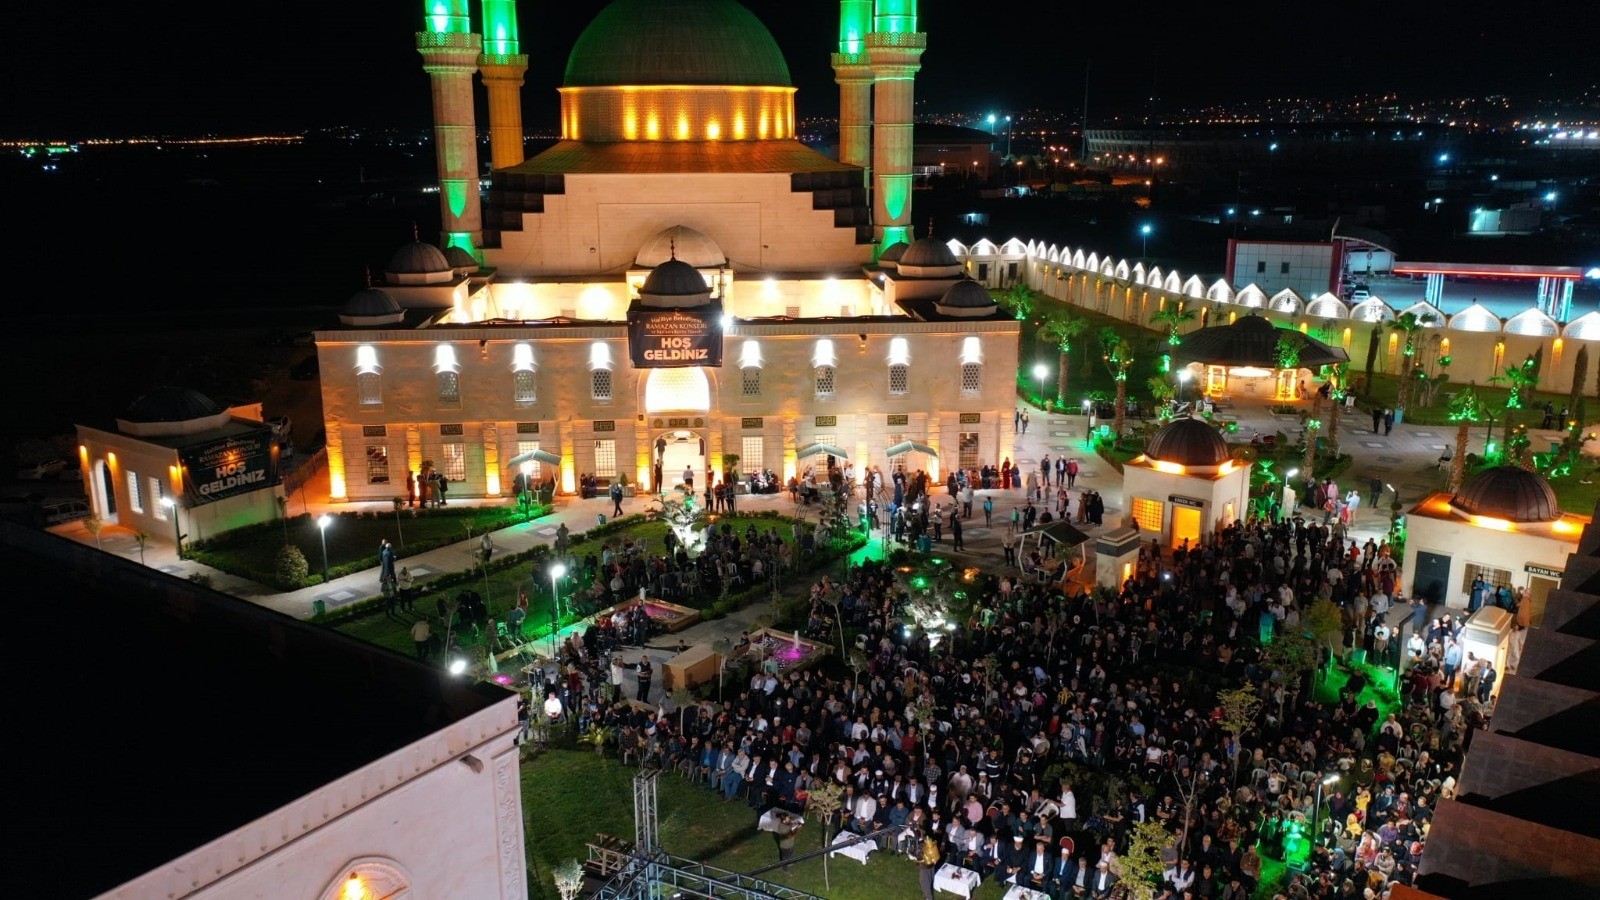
(502, 66)
(450, 54)
(853, 73)
(894, 49)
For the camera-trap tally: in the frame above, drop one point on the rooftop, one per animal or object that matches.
(222, 712)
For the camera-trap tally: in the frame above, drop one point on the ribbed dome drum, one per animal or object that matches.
(417, 258)
(675, 278)
(1508, 492)
(1188, 442)
(171, 404)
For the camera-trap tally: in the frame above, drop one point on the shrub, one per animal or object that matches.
(291, 567)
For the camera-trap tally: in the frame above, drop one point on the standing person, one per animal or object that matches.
(1044, 472)
(1377, 418)
(927, 865)
(422, 636)
(955, 532)
(442, 485)
(1024, 421)
(1072, 472)
(645, 672)
(1388, 421)
(688, 478)
(1016, 419)
(485, 547)
(616, 499)
(1061, 470)
(411, 487)
(1008, 543)
(1485, 681)
(404, 582)
(784, 827)
(385, 566)
(988, 512)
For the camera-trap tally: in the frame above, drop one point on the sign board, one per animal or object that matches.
(1186, 501)
(1545, 571)
(827, 421)
(228, 467)
(899, 420)
(752, 422)
(675, 338)
(971, 418)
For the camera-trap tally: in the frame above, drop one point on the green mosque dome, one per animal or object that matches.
(689, 42)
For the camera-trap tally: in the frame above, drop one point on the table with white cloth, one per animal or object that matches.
(956, 880)
(1018, 892)
(859, 851)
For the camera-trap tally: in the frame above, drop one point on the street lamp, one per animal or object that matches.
(1183, 381)
(1316, 810)
(323, 521)
(171, 507)
(1144, 241)
(557, 572)
(991, 124)
(1039, 371)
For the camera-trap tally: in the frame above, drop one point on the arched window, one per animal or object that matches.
(448, 374)
(522, 373)
(369, 383)
(899, 366)
(971, 366)
(750, 369)
(600, 372)
(824, 361)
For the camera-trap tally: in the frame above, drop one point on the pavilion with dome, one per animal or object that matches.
(1186, 485)
(1505, 525)
(678, 281)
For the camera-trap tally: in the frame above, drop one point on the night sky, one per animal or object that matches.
(76, 70)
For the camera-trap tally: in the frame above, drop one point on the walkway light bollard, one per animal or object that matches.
(323, 521)
(1039, 371)
(171, 507)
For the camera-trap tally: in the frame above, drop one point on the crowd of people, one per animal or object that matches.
(1029, 742)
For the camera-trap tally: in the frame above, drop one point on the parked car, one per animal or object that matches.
(41, 471)
(1360, 293)
(61, 512)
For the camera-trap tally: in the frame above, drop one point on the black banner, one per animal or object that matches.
(229, 466)
(675, 338)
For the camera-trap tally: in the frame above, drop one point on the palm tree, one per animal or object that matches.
(1020, 300)
(1410, 325)
(1465, 408)
(1173, 317)
(1118, 356)
(1060, 329)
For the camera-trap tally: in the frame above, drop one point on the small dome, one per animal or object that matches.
(1188, 442)
(1508, 492)
(684, 244)
(417, 258)
(893, 252)
(967, 294)
(370, 302)
(459, 258)
(928, 252)
(676, 42)
(675, 278)
(171, 404)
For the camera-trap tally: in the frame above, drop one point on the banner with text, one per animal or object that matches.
(674, 338)
(229, 466)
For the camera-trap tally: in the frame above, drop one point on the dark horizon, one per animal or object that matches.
(355, 64)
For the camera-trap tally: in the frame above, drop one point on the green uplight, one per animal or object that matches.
(936, 561)
(894, 234)
(919, 582)
(447, 16)
(895, 16)
(500, 28)
(463, 240)
(855, 22)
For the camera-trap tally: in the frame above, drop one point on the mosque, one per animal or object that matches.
(677, 282)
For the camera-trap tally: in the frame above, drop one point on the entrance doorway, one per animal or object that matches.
(1432, 580)
(103, 493)
(1185, 525)
(679, 450)
(1539, 588)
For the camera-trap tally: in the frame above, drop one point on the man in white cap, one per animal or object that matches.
(1102, 881)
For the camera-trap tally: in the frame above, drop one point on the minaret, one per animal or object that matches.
(502, 66)
(854, 75)
(450, 55)
(894, 50)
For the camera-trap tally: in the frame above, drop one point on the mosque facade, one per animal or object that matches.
(677, 282)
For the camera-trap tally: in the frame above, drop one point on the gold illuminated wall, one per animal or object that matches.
(677, 113)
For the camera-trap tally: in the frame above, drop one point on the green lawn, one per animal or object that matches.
(1086, 373)
(353, 539)
(1384, 391)
(503, 586)
(568, 796)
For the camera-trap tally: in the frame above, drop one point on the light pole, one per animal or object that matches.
(1316, 810)
(1039, 371)
(557, 572)
(991, 124)
(1144, 241)
(1183, 381)
(171, 507)
(1008, 137)
(323, 521)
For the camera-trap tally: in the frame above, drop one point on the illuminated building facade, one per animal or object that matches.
(1186, 486)
(677, 197)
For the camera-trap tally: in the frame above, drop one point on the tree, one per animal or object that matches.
(1142, 867)
(142, 538)
(681, 697)
(399, 504)
(1161, 392)
(1060, 329)
(1580, 375)
(1291, 653)
(825, 798)
(94, 525)
(1020, 300)
(291, 567)
(1337, 376)
(569, 879)
(1372, 351)
(1323, 621)
(1313, 423)
(1240, 707)
(1522, 379)
(1410, 325)
(1173, 317)
(283, 515)
(1465, 409)
(1117, 354)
